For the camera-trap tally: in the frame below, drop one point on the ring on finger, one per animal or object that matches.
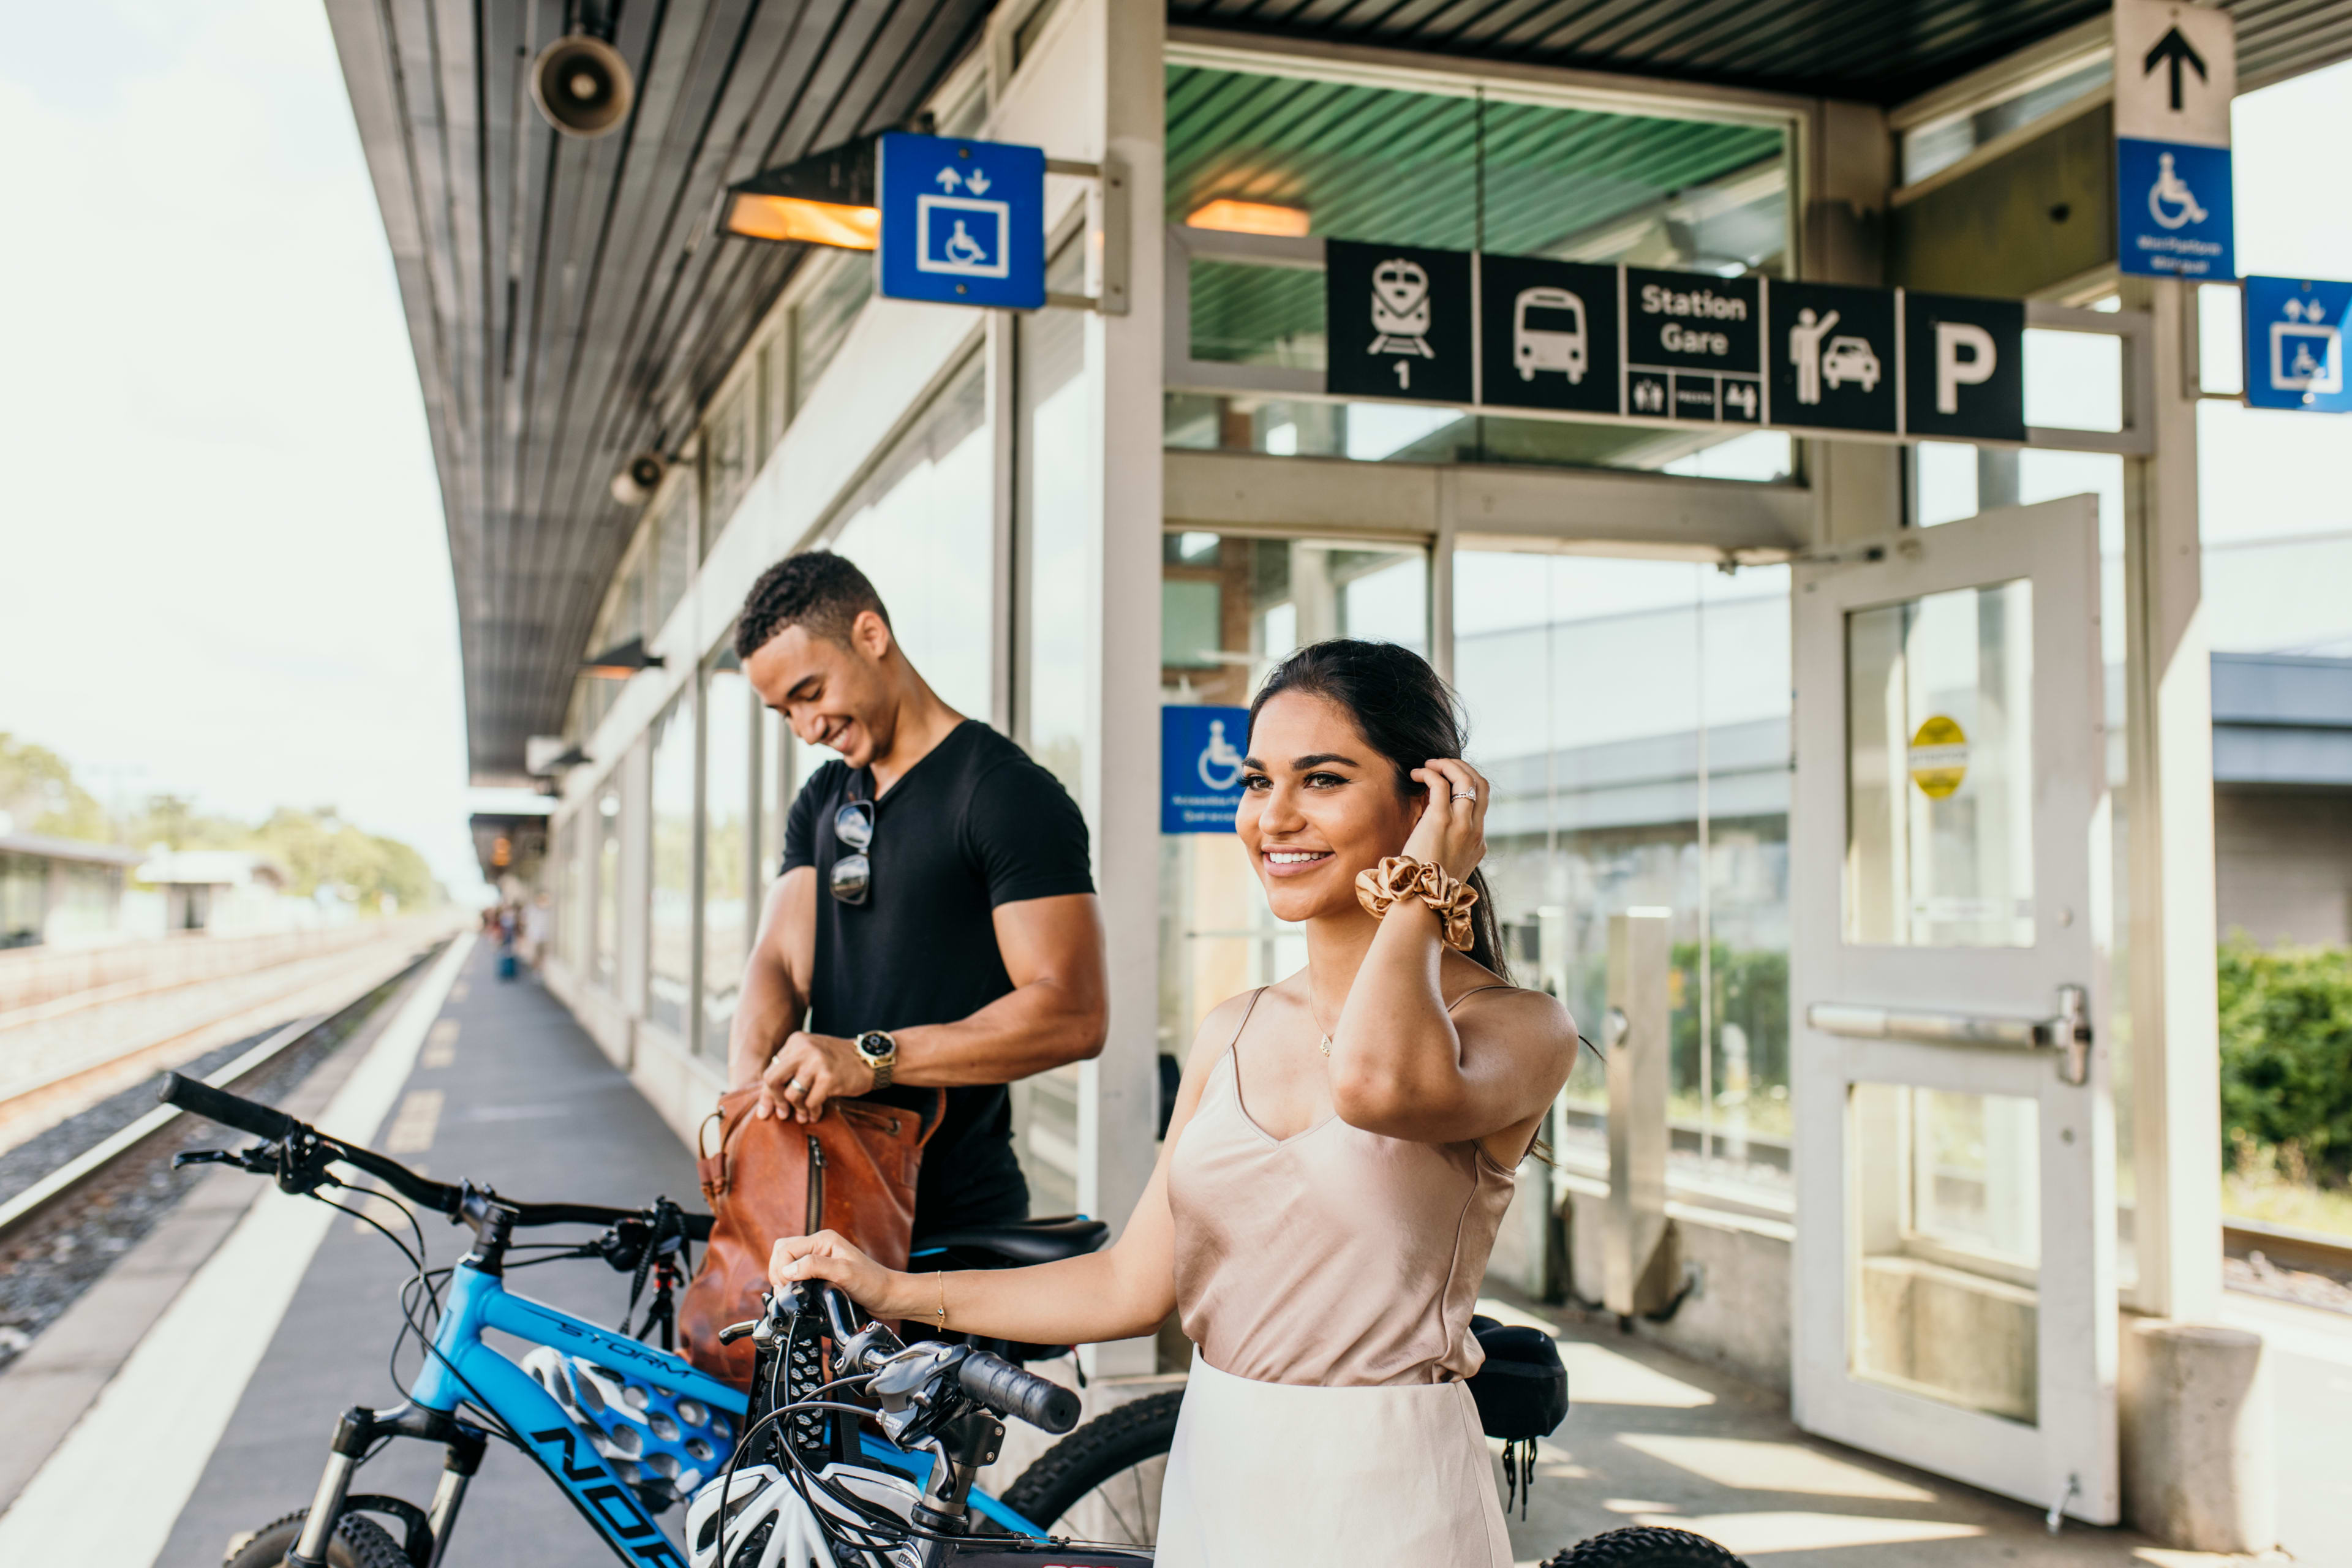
(798, 1086)
(1465, 794)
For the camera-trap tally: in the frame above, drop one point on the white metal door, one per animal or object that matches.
(1955, 1259)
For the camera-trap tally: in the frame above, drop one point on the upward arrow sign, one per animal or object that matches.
(2174, 50)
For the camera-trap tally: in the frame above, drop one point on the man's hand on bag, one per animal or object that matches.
(808, 1071)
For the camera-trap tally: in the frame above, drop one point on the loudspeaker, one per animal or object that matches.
(582, 85)
(633, 485)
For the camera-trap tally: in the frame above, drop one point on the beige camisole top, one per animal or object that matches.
(1335, 1257)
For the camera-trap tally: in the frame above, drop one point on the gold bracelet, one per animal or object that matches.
(943, 1300)
(1402, 876)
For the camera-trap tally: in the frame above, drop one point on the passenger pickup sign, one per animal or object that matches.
(1573, 337)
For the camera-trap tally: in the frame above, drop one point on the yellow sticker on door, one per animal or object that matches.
(1939, 757)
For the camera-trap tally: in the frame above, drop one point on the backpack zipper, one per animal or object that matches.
(816, 1187)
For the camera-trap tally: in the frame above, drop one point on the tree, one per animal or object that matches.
(38, 792)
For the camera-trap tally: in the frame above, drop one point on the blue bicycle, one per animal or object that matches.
(626, 1428)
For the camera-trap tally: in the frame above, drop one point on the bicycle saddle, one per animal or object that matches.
(1023, 1242)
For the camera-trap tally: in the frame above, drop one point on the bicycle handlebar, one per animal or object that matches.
(1009, 1390)
(265, 1122)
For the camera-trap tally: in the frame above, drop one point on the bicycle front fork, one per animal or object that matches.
(358, 1431)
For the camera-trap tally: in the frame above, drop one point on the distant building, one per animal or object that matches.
(228, 891)
(2283, 796)
(59, 890)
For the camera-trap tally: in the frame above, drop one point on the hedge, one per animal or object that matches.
(2287, 1053)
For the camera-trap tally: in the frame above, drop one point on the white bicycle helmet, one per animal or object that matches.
(764, 1496)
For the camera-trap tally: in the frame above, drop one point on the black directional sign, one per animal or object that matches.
(1692, 346)
(1549, 334)
(1963, 367)
(1397, 319)
(1830, 354)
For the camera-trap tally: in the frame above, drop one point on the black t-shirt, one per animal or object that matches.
(974, 825)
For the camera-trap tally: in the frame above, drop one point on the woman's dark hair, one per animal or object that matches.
(1408, 714)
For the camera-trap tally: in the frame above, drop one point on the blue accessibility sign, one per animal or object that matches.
(2294, 343)
(1201, 766)
(964, 223)
(2173, 210)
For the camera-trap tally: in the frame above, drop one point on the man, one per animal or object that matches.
(936, 920)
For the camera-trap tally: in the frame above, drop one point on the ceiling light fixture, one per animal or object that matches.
(1249, 218)
(828, 198)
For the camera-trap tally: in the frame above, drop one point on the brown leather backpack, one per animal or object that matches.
(851, 1171)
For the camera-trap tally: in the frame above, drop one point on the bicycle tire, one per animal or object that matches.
(359, 1541)
(1124, 1441)
(1646, 1546)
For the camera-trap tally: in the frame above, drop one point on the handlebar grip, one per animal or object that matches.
(228, 1110)
(1011, 1391)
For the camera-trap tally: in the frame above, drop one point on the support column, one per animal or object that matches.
(2168, 795)
(1118, 1105)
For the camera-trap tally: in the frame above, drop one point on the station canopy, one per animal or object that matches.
(569, 306)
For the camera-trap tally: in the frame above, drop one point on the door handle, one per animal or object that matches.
(2067, 1030)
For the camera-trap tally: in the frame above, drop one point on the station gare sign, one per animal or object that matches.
(1513, 333)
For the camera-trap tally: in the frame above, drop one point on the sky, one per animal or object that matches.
(225, 569)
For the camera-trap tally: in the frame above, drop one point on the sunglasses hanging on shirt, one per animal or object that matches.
(853, 874)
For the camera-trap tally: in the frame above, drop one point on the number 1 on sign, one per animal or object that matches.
(1404, 374)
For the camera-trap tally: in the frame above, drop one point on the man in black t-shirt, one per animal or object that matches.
(934, 924)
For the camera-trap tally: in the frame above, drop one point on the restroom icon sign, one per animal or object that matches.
(962, 236)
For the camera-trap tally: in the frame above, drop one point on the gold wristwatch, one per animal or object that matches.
(879, 1051)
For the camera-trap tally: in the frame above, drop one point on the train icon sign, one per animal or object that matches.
(964, 223)
(2294, 343)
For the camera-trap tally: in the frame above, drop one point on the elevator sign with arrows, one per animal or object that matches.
(964, 223)
(2176, 71)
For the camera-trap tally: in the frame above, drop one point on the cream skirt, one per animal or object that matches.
(1276, 1475)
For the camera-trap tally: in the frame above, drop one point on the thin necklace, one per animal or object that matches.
(1324, 1044)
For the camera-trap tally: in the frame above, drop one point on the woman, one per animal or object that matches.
(1340, 1156)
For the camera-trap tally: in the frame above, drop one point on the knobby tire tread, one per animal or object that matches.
(1116, 1440)
(1646, 1546)
(359, 1542)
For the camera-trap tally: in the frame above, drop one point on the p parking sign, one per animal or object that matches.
(964, 223)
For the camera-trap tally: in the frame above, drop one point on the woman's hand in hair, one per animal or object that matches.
(1451, 831)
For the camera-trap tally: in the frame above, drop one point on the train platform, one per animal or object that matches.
(215, 1359)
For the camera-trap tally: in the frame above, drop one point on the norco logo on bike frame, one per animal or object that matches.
(609, 1502)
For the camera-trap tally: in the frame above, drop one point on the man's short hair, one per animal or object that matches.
(816, 590)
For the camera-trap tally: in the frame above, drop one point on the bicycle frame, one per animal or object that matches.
(461, 1368)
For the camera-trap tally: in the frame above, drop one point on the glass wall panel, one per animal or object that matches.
(1056, 519)
(669, 979)
(1634, 719)
(922, 528)
(670, 556)
(731, 780)
(822, 320)
(1232, 606)
(608, 887)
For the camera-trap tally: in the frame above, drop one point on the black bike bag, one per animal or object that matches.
(1522, 1389)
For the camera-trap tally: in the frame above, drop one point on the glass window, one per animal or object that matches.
(608, 888)
(1948, 1245)
(776, 403)
(1290, 156)
(730, 783)
(1938, 145)
(1634, 719)
(922, 527)
(1231, 607)
(669, 979)
(23, 900)
(822, 320)
(669, 555)
(1056, 519)
(1939, 792)
(729, 435)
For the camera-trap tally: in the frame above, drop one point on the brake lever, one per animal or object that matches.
(262, 1159)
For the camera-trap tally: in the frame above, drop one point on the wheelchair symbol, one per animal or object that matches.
(962, 250)
(2170, 202)
(1220, 766)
